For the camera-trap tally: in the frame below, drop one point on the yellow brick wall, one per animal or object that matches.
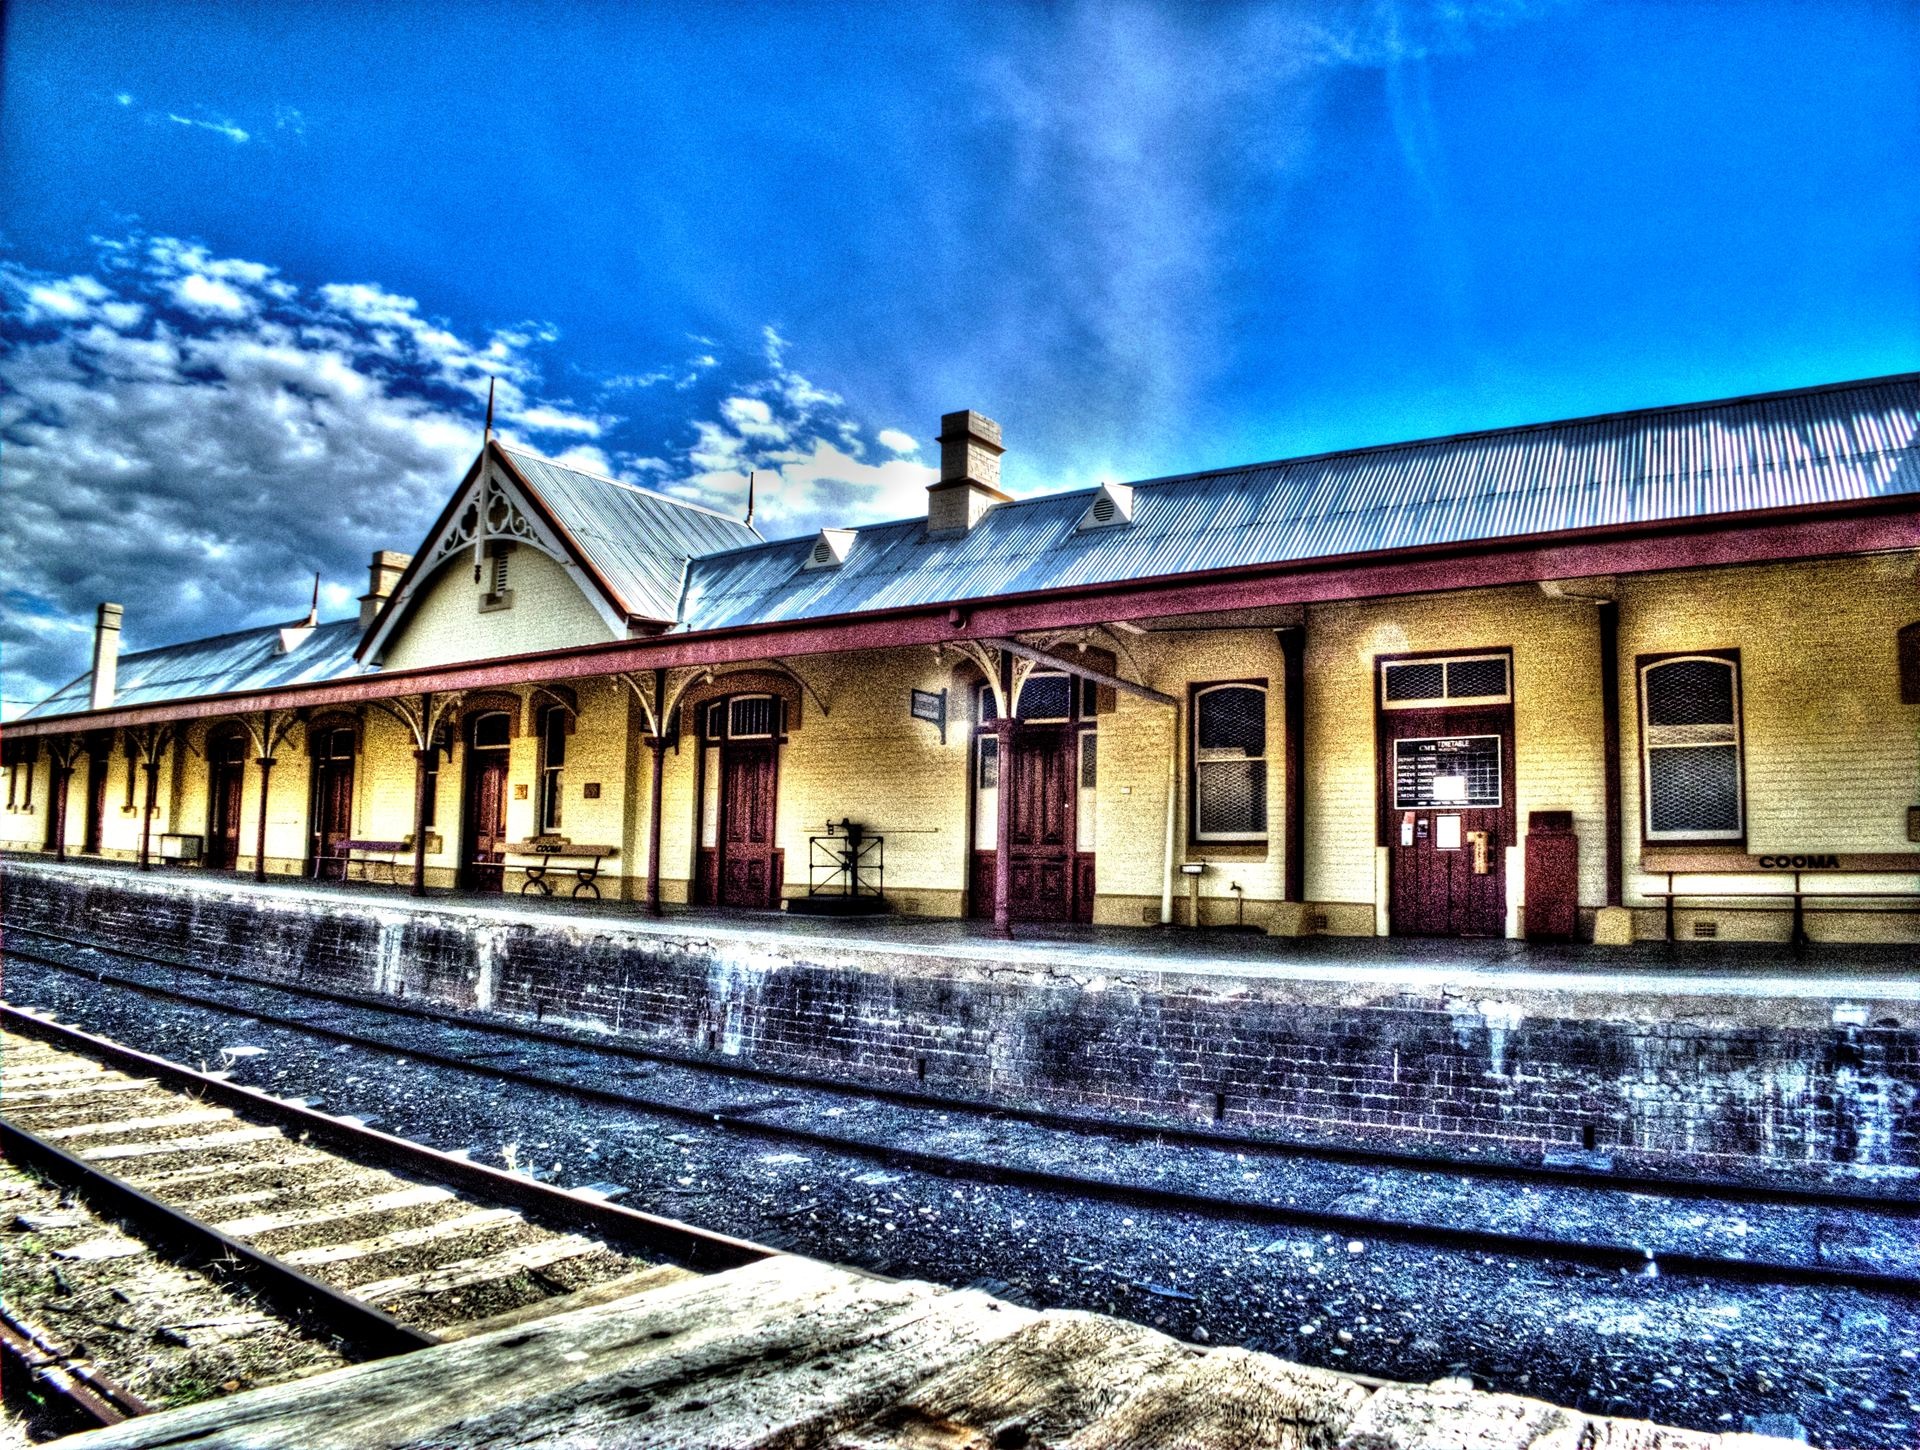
(1557, 720)
(865, 760)
(1832, 757)
(447, 624)
(26, 829)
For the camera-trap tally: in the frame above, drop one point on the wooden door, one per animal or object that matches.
(749, 873)
(333, 812)
(1040, 826)
(96, 801)
(1447, 787)
(225, 782)
(485, 821)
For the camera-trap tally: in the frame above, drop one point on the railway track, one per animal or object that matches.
(319, 1227)
(1364, 1156)
(1592, 1251)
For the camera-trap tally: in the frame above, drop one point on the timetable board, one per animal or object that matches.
(1458, 771)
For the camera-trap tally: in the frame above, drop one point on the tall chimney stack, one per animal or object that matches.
(382, 575)
(969, 473)
(106, 656)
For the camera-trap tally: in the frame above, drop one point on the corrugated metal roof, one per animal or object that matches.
(248, 659)
(639, 541)
(1820, 445)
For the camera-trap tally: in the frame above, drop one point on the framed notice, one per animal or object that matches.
(1447, 771)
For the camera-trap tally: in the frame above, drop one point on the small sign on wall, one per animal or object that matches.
(519, 792)
(931, 706)
(593, 790)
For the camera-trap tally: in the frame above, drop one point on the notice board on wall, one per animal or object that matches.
(1457, 771)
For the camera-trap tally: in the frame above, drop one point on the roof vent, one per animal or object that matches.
(829, 549)
(1112, 506)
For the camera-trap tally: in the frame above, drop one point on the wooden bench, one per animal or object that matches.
(1783, 876)
(388, 854)
(545, 850)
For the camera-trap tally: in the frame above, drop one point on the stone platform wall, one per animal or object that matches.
(1799, 1087)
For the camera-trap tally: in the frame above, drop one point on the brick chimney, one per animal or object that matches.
(382, 575)
(106, 656)
(969, 473)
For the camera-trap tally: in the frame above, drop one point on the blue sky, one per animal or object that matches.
(256, 262)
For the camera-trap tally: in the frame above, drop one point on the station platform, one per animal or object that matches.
(1821, 971)
(791, 1352)
(1699, 1060)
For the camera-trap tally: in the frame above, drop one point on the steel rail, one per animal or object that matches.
(1594, 1254)
(653, 1236)
(86, 1391)
(186, 1240)
(1674, 1186)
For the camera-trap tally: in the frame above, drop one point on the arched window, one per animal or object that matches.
(492, 730)
(553, 764)
(1230, 763)
(1690, 744)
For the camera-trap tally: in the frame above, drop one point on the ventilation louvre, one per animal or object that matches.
(1112, 506)
(830, 549)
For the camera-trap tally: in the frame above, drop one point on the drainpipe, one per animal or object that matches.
(1293, 651)
(658, 747)
(152, 768)
(421, 758)
(1173, 785)
(1610, 744)
(62, 783)
(260, 829)
(1003, 730)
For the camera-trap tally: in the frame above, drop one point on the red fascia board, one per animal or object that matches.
(1854, 527)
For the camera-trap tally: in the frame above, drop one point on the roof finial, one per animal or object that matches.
(313, 610)
(480, 528)
(749, 518)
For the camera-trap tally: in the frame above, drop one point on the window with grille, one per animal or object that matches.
(752, 717)
(1461, 680)
(1690, 737)
(1045, 697)
(1230, 763)
(553, 765)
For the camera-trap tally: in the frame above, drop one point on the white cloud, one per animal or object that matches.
(209, 295)
(194, 435)
(751, 418)
(220, 127)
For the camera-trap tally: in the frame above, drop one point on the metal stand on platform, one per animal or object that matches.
(846, 872)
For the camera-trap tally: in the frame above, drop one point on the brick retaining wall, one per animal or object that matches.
(1799, 1089)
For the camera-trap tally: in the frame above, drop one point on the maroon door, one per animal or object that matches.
(96, 800)
(332, 804)
(485, 820)
(1040, 826)
(1447, 786)
(227, 773)
(749, 862)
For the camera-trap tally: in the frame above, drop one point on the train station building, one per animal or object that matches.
(1643, 675)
